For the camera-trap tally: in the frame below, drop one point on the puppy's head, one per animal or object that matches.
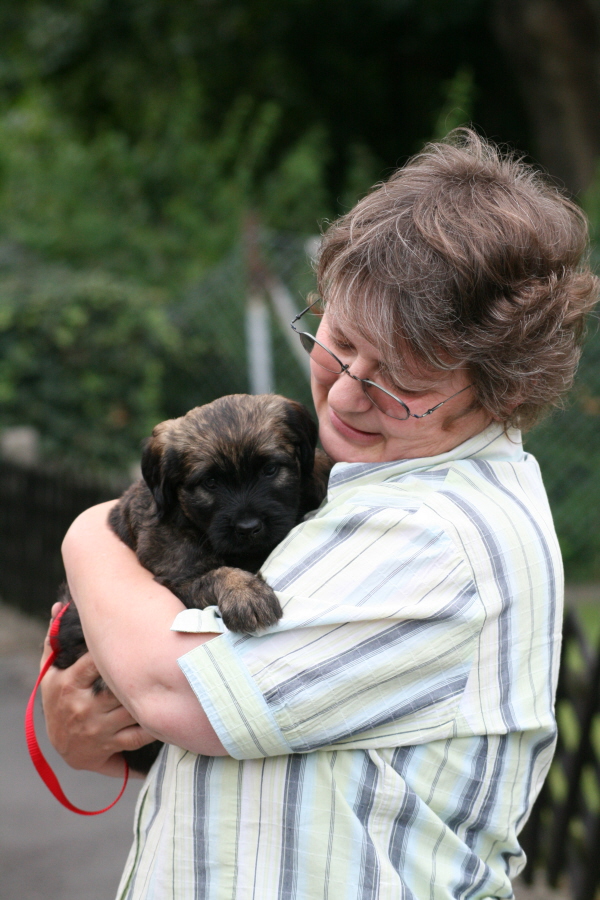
(241, 470)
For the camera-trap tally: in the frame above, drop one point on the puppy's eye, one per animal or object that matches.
(270, 470)
(209, 484)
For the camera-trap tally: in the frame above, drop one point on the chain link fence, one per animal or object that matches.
(215, 316)
(567, 446)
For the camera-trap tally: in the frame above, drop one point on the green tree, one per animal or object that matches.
(369, 74)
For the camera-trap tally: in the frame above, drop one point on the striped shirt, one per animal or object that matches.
(388, 737)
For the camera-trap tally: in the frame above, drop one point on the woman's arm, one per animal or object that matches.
(126, 618)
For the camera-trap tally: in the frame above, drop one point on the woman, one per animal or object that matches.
(389, 736)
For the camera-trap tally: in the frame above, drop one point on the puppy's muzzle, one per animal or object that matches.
(249, 527)
(244, 529)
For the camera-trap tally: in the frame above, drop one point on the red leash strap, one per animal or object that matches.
(37, 757)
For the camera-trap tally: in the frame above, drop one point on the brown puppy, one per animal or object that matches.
(221, 487)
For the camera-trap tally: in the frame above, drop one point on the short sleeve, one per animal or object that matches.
(381, 621)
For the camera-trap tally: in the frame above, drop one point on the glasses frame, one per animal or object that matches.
(345, 369)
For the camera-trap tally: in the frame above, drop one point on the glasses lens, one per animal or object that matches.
(389, 405)
(320, 355)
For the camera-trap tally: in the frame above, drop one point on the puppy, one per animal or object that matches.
(221, 487)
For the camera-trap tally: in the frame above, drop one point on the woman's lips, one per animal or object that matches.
(361, 437)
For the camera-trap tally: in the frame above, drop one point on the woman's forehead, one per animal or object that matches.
(396, 359)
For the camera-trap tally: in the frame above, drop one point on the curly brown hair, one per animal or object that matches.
(467, 257)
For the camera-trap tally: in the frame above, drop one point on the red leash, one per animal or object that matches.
(37, 757)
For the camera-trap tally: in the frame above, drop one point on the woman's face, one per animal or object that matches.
(353, 430)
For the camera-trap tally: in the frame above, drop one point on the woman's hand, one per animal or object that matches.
(126, 617)
(88, 730)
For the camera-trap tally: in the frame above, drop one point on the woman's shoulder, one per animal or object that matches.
(489, 498)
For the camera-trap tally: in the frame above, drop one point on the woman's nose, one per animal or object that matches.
(348, 395)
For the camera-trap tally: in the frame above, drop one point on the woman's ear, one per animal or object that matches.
(161, 469)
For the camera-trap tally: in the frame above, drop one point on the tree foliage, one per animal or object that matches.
(159, 210)
(371, 73)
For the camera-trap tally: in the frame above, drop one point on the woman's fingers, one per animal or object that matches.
(132, 737)
(47, 649)
(84, 676)
(56, 608)
(88, 729)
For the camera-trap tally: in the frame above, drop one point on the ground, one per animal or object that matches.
(47, 852)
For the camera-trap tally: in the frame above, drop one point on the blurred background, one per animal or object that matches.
(166, 167)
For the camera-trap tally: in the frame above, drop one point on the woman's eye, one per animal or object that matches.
(400, 391)
(386, 380)
(341, 344)
(394, 388)
(270, 470)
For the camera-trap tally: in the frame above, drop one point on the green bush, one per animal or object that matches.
(82, 359)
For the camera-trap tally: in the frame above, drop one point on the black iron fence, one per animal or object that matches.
(562, 836)
(36, 509)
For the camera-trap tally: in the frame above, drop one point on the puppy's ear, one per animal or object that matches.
(314, 487)
(161, 470)
(304, 434)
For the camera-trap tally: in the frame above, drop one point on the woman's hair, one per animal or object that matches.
(467, 257)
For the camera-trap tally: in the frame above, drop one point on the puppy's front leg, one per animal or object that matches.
(246, 601)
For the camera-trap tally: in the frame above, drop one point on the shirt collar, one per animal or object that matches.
(493, 443)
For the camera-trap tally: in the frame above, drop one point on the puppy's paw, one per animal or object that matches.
(246, 602)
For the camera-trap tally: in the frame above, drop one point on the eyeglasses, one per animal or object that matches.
(385, 401)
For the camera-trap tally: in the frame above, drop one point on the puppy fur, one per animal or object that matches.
(221, 487)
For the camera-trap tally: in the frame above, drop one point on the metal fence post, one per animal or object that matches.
(258, 328)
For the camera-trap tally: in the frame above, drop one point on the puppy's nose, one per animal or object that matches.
(248, 527)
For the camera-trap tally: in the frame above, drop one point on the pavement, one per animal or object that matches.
(47, 852)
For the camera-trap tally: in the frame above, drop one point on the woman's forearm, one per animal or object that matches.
(126, 618)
